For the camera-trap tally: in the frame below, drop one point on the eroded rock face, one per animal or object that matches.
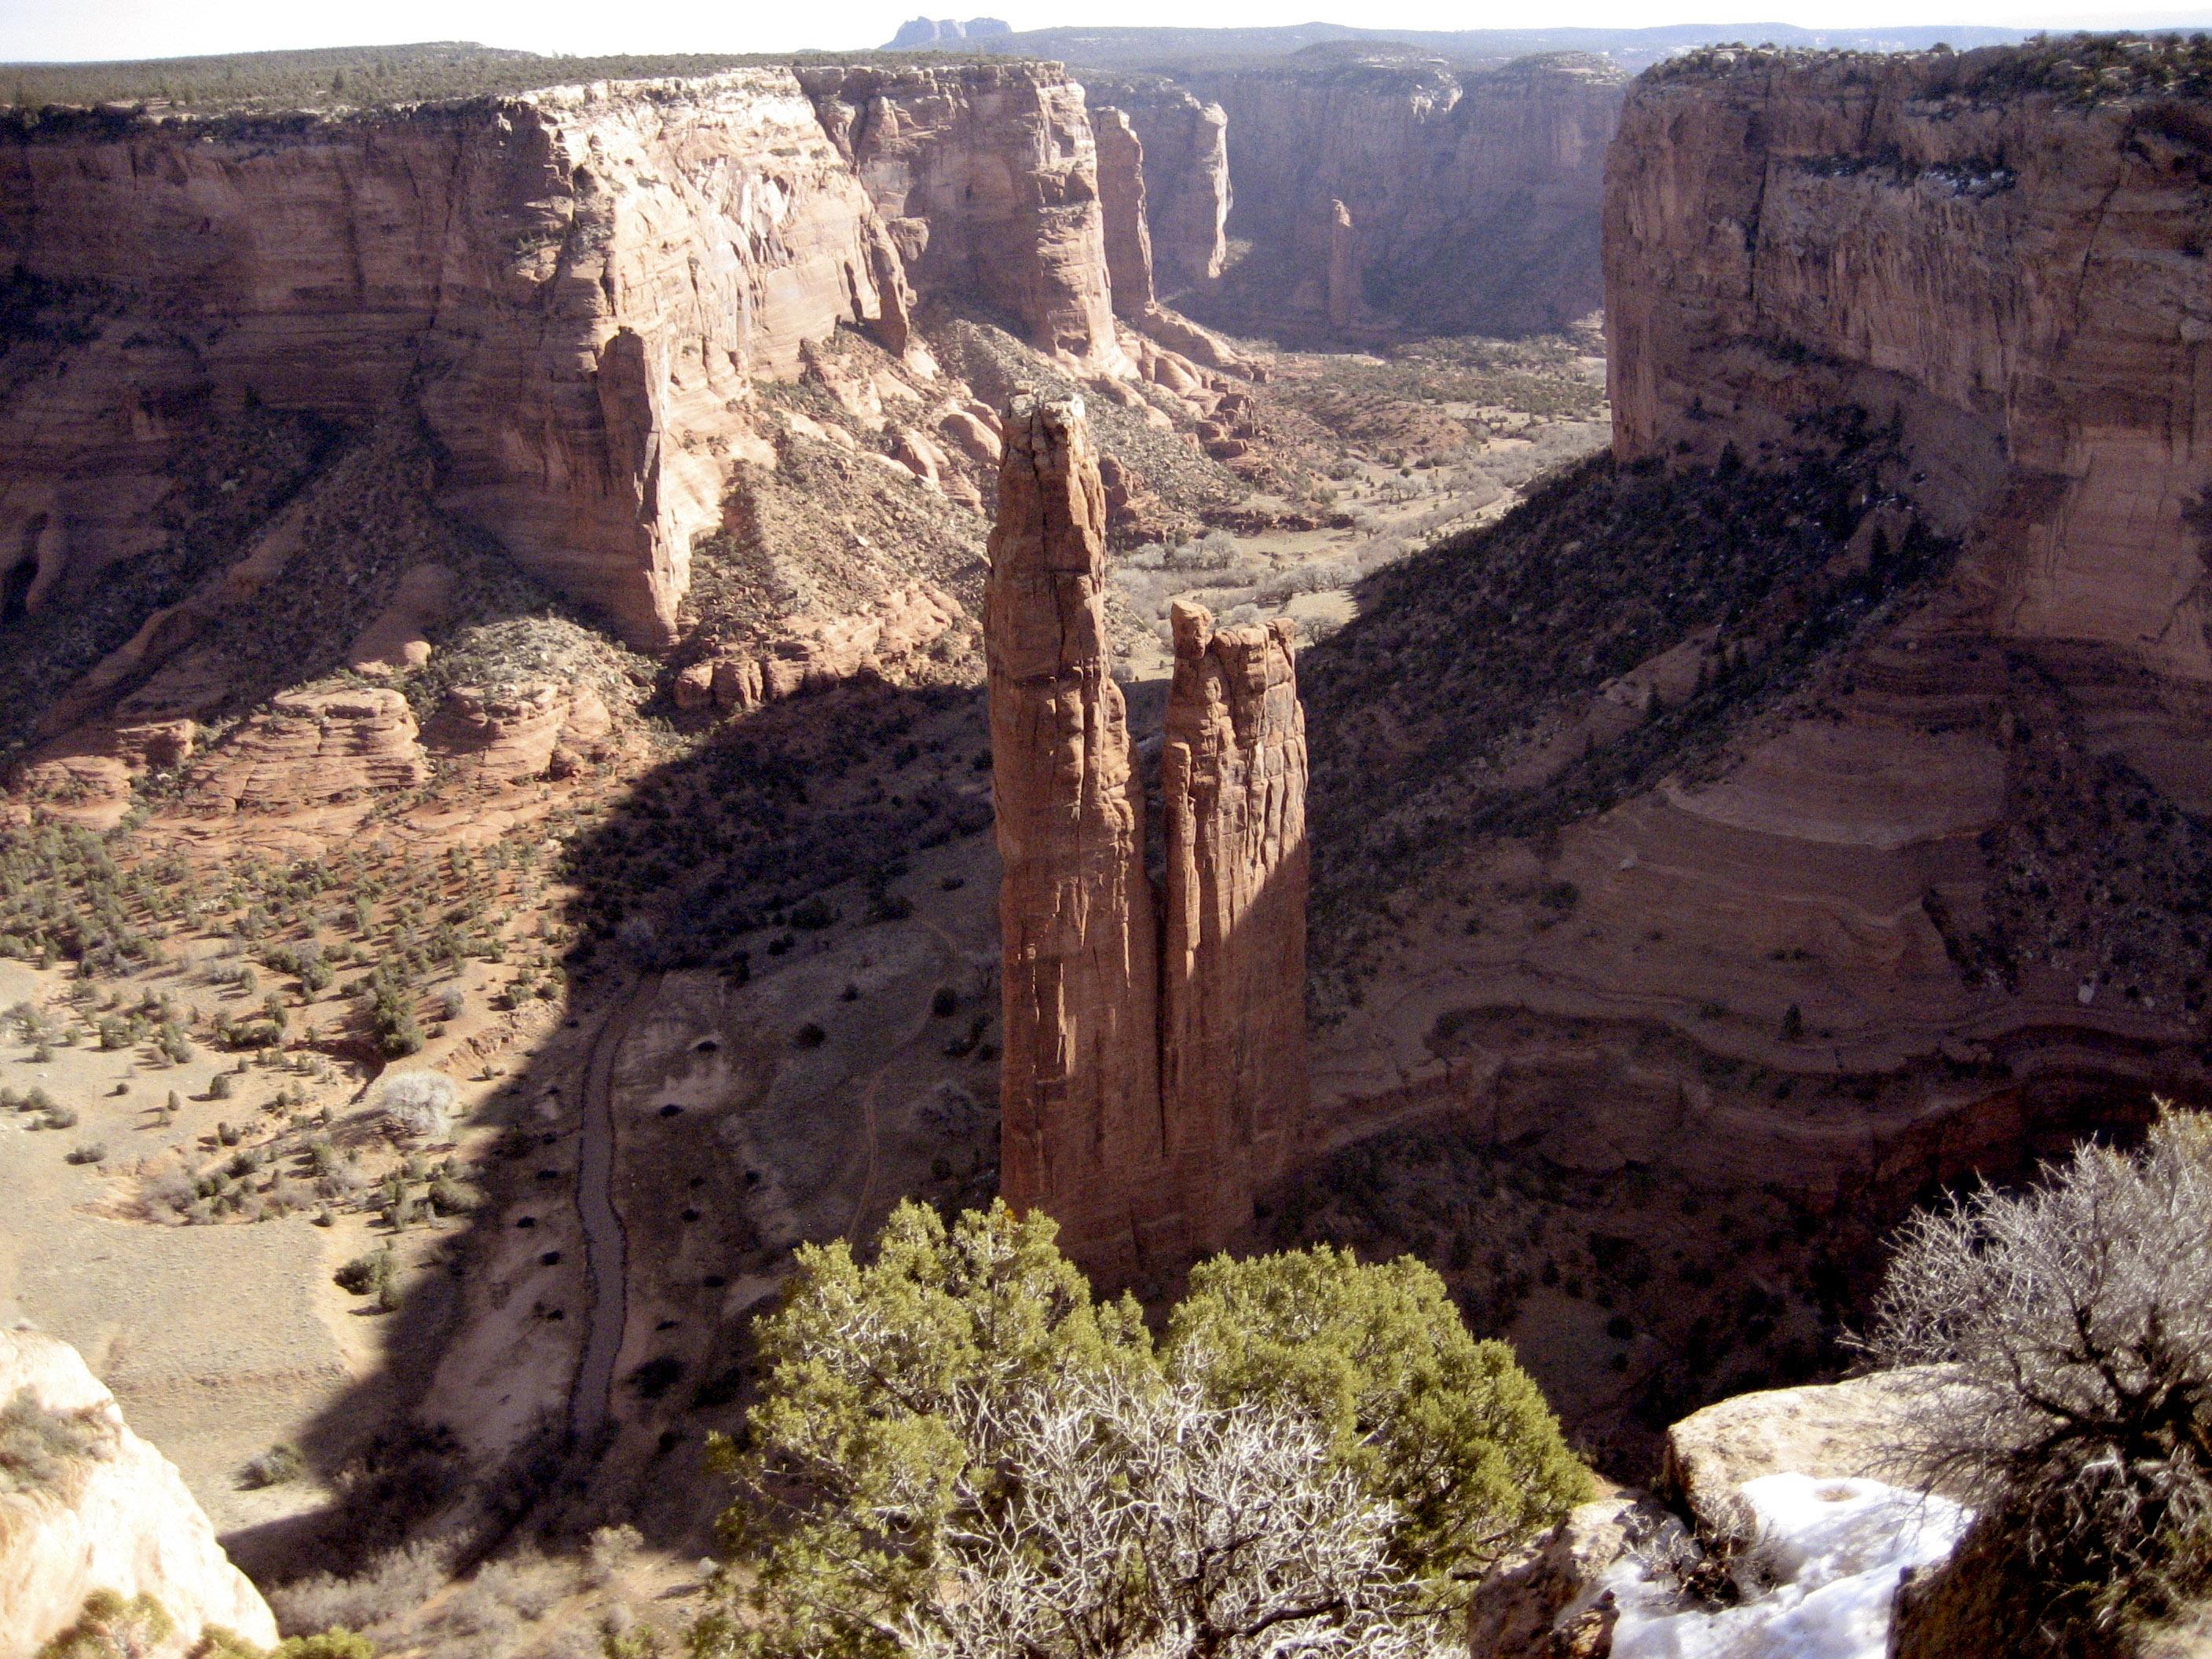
(1477, 196)
(1233, 923)
(578, 281)
(314, 750)
(1080, 1132)
(1154, 1070)
(1187, 184)
(115, 1516)
(1121, 201)
(2018, 277)
(987, 175)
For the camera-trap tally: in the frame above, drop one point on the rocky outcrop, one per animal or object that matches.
(497, 737)
(1187, 184)
(987, 175)
(314, 750)
(2013, 273)
(1841, 1430)
(1233, 922)
(1121, 201)
(817, 651)
(1154, 1069)
(100, 1510)
(1476, 195)
(574, 285)
(1342, 303)
(1080, 1132)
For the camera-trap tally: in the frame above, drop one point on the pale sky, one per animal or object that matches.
(37, 29)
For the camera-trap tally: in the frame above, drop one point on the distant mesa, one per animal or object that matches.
(944, 31)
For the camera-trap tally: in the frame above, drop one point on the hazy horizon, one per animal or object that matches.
(32, 31)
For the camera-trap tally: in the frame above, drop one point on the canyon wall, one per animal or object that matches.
(1477, 196)
(987, 177)
(1128, 235)
(577, 290)
(1187, 184)
(2020, 278)
(573, 285)
(1154, 1070)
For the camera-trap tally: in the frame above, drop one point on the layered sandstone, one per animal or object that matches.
(1122, 203)
(1080, 1130)
(1476, 194)
(1186, 185)
(2016, 275)
(1154, 1071)
(315, 749)
(1233, 919)
(113, 1515)
(573, 284)
(987, 176)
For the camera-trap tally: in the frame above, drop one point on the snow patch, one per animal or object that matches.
(1830, 1556)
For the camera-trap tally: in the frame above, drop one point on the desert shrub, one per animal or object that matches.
(61, 1117)
(90, 1152)
(340, 1643)
(396, 1582)
(279, 1465)
(608, 1552)
(956, 1451)
(1451, 1432)
(368, 1275)
(38, 1443)
(419, 1104)
(2069, 1332)
(110, 1627)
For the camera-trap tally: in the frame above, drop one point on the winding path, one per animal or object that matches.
(607, 1251)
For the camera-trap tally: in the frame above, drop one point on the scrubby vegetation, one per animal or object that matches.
(38, 1445)
(1460, 652)
(2081, 69)
(2072, 1410)
(956, 1443)
(334, 79)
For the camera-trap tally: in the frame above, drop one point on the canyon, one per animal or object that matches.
(728, 612)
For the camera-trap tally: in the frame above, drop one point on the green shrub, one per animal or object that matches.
(110, 1627)
(956, 1430)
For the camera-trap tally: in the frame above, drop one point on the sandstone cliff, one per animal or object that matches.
(1079, 1130)
(574, 284)
(100, 1509)
(1477, 195)
(1186, 185)
(987, 177)
(1122, 200)
(1233, 920)
(2014, 273)
(1145, 1096)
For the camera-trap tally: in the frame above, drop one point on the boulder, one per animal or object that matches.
(103, 1510)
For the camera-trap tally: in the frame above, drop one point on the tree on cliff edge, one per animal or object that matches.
(959, 1453)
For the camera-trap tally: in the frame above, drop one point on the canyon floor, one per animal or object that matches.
(198, 1155)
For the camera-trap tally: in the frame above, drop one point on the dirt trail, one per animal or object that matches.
(875, 1080)
(605, 1248)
